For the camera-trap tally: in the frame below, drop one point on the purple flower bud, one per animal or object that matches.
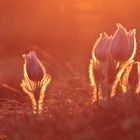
(101, 47)
(33, 67)
(123, 44)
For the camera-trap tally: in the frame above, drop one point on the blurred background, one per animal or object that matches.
(62, 33)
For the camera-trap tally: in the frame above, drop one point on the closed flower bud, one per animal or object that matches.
(101, 47)
(33, 67)
(123, 44)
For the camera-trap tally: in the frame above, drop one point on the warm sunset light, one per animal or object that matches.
(69, 70)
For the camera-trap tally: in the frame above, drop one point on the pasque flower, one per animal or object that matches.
(123, 44)
(98, 68)
(106, 74)
(101, 47)
(35, 81)
(34, 68)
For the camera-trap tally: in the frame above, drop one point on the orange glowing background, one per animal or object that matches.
(66, 30)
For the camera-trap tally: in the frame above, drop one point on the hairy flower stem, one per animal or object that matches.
(36, 95)
(118, 76)
(94, 86)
